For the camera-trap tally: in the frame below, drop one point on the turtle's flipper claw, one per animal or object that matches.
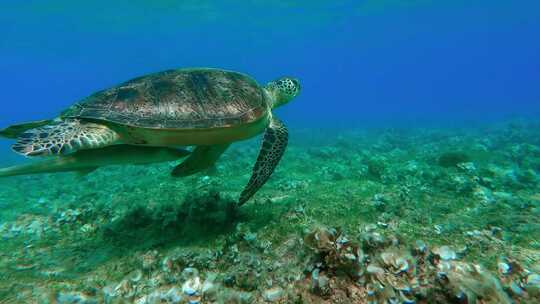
(272, 149)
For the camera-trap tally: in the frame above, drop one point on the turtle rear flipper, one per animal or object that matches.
(202, 158)
(64, 137)
(272, 149)
(15, 131)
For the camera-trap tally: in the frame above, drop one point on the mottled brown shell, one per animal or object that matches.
(177, 99)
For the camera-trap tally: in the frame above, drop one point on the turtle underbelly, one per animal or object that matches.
(189, 137)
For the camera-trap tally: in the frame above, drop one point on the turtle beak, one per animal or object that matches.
(296, 85)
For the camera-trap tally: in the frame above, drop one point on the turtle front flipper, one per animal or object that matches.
(203, 157)
(272, 149)
(64, 137)
(15, 131)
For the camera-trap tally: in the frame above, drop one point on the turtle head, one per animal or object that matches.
(283, 90)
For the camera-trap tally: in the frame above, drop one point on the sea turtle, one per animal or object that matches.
(202, 107)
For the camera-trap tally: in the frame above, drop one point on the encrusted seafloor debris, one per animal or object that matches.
(379, 269)
(324, 265)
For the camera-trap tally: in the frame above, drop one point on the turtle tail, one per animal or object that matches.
(64, 137)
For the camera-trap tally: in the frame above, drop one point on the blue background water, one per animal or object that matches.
(360, 62)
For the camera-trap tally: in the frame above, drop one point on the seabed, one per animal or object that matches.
(435, 215)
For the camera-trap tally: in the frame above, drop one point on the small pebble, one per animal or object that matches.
(533, 279)
(445, 253)
(504, 268)
(273, 294)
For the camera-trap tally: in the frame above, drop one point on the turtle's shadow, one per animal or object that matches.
(199, 220)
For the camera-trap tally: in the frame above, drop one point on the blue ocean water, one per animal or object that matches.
(360, 62)
(385, 73)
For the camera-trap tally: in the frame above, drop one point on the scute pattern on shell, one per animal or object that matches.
(177, 99)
